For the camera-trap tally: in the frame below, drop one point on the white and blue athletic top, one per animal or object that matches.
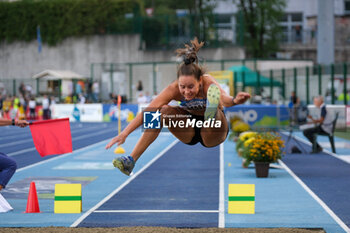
(194, 104)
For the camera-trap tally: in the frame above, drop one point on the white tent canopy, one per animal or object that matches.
(57, 74)
(67, 78)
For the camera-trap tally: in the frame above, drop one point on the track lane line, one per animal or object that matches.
(25, 135)
(62, 156)
(221, 189)
(73, 140)
(73, 132)
(315, 197)
(155, 211)
(90, 211)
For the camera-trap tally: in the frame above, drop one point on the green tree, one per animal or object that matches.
(200, 14)
(259, 22)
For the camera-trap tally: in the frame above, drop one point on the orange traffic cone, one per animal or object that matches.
(32, 202)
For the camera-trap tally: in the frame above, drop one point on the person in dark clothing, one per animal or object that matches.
(322, 125)
(8, 165)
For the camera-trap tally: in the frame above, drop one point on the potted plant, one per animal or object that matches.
(263, 149)
(240, 144)
(238, 125)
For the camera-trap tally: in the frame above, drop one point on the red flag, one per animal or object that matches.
(52, 136)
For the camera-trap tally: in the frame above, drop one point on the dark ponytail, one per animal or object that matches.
(190, 66)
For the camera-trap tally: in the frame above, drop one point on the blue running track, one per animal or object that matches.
(161, 186)
(326, 175)
(174, 185)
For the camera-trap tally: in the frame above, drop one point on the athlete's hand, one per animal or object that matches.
(119, 139)
(241, 97)
(21, 123)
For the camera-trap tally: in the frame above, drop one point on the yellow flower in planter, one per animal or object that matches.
(264, 147)
(234, 119)
(240, 126)
(248, 142)
(246, 135)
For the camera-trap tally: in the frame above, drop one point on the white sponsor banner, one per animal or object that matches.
(78, 112)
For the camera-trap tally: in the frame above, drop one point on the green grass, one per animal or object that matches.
(345, 133)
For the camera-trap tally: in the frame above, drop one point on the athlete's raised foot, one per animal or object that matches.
(125, 164)
(213, 100)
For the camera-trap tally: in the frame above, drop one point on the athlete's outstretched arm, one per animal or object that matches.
(227, 100)
(168, 94)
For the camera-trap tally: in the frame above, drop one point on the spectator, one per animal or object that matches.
(21, 114)
(341, 97)
(22, 89)
(6, 106)
(23, 102)
(322, 125)
(293, 106)
(95, 91)
(142, 99)
(81, 99)
(89, 92)
(29, 90)
(114, 98)
(52, 106)
(139, 88)
(15, 105)
(68, 99)
(148, 97)
(32, 106)
(46, 107)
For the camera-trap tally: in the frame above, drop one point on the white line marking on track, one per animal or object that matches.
(20, 142)
(345, 158)
(79, 220)
(73, 140)
(313, 195)
(221, 190)
(62, 156)
(16, 142)
(21, 151)
(92, 135)
(73, 130)
(156, 211)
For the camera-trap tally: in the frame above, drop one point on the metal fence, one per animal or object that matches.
(269, 86)
(155, 76)
(307, 82)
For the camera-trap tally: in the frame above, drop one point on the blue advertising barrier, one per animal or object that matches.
(254, 114)
(260, 115)
(110, 112)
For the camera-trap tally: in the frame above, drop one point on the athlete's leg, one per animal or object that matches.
(173, 115)
(126, 163)
(215, 136)
(169, 114)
